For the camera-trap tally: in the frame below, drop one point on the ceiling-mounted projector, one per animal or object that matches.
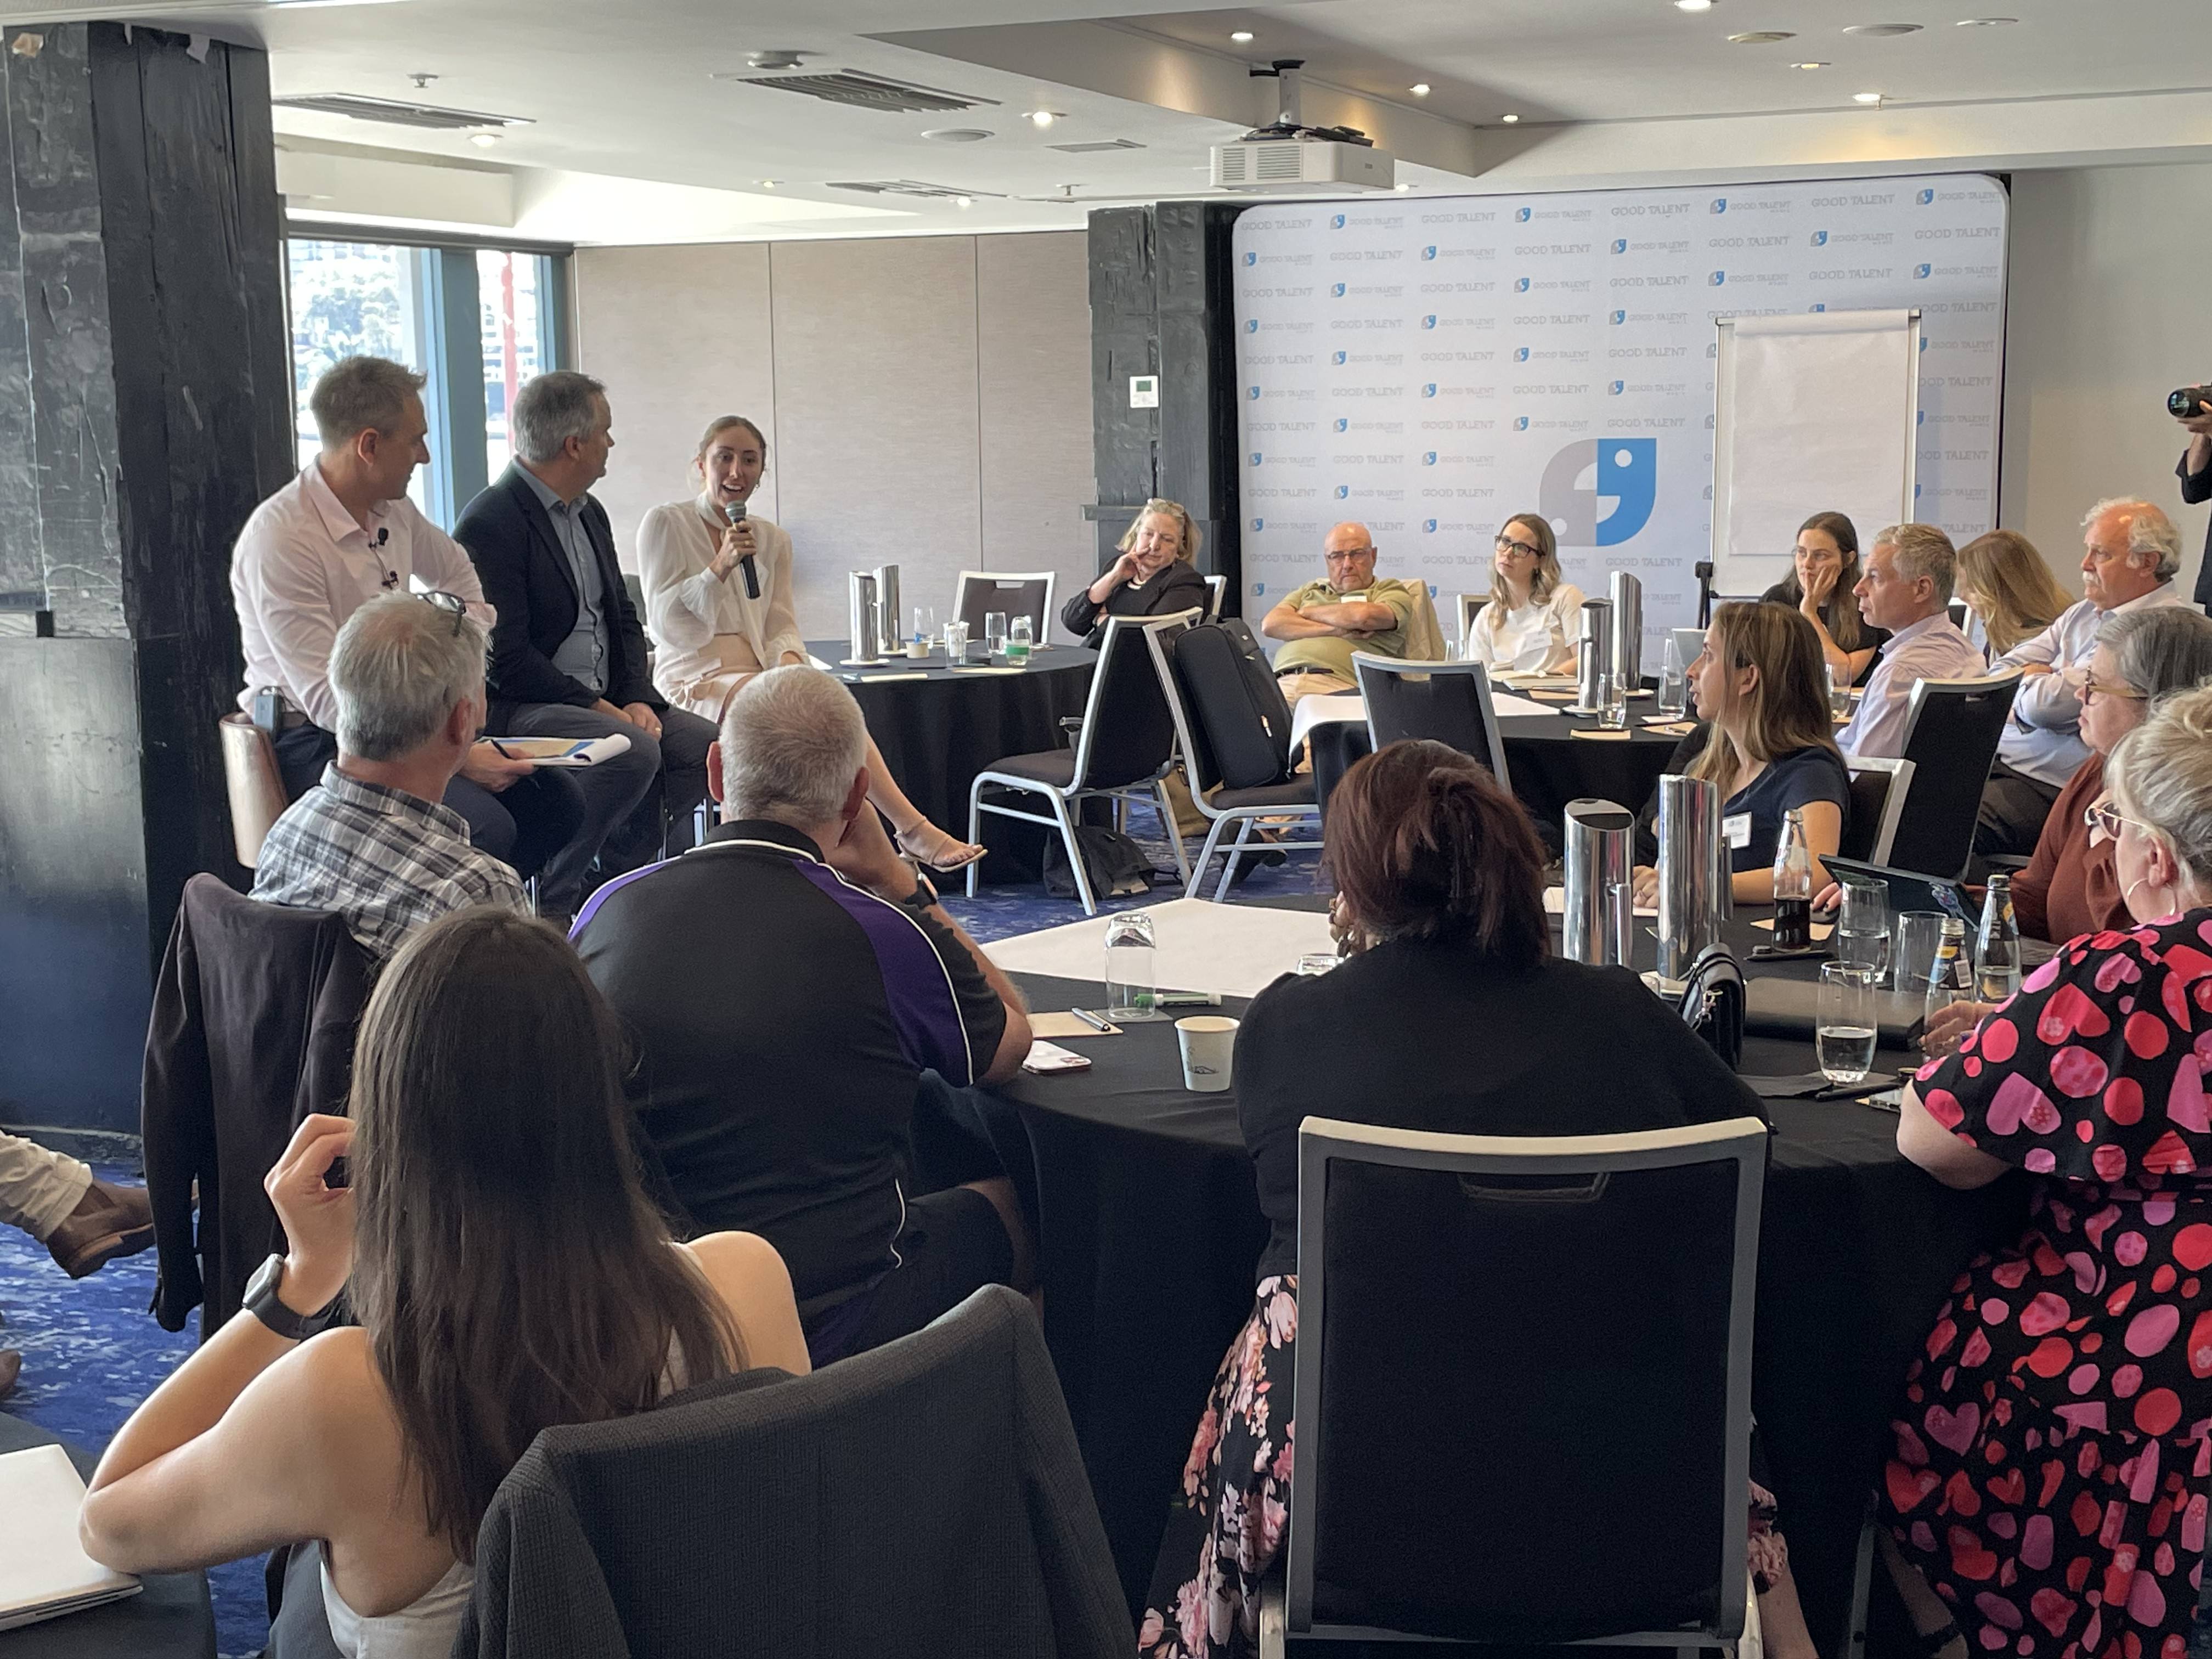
(1288, 156)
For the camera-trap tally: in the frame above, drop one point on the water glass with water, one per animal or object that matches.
(1917, 937)
(1129, 982)
(1612, 701)
(1863, 925)
(925, 624)
(994, 632)
(1844, 1023)
(955, 642)
(1020, 635)
(1839, 695)
(1673, 684)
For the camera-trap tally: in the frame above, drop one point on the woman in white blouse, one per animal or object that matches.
(1530, 624)
(712, 636)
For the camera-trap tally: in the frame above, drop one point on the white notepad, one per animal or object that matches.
(44, 1571)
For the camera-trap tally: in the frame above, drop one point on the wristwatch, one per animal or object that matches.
(262, 1302)
(923, 896)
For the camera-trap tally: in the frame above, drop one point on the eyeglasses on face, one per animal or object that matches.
(1519, 549)
(1337, 554)
(452, 602)
(2105, 817)
(2094, 687)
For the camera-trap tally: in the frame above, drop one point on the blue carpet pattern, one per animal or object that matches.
(91, 1351)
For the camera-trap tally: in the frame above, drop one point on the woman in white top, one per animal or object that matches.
(1530, 624)
(508, 1273)
(711, 636)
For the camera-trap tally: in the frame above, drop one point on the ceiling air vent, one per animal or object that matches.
(1095, 146)
(908, 187)
(862, 91)
(393, 112)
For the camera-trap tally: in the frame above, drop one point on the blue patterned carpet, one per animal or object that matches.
(91, 1352)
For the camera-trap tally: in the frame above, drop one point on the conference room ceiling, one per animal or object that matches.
(635, 132)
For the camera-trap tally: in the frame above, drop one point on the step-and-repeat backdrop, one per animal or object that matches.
(1431, 366)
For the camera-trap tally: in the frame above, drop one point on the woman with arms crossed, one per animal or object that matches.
(509, 1274)
(713, 635)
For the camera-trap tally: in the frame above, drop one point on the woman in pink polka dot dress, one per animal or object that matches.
(2052, 1456)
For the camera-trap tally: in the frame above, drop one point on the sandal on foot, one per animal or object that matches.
(940, 849)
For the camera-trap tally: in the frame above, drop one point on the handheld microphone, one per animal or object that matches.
(735, 512)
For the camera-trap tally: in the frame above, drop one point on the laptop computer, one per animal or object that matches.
(1911, 890)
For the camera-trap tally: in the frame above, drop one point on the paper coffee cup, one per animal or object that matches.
(1208, 1042)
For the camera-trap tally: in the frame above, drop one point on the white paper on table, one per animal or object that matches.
(1555, 903)
(1348, 706)
(44, 1571)
(1238, 950)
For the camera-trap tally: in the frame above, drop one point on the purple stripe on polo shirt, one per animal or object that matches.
(599, 896)
(919, 989)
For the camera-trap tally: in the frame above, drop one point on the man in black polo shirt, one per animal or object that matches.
(788, 983)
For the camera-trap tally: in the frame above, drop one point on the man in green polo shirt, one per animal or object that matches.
(1350, 610)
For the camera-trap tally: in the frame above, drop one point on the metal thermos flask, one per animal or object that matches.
(861, 590)
(1599, 920)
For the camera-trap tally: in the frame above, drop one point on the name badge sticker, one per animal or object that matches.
(1736, 830)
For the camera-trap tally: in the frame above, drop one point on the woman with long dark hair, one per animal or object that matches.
(509, 1274)
(1822, 587)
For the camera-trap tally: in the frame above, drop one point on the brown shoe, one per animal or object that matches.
(11, 1364)
(109, 1221)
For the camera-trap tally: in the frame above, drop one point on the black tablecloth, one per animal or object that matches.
(170, 1617)
(1150, 1230)
(1549, 765)
(938, 732)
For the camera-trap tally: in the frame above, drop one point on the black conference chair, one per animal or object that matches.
(1564, 1311)
(1217, 590)
(1951, 738)
(1469, 607)
(1448, 702)
(1879, 791)
(1196, 715)
(1124, 748)
(1015, 593)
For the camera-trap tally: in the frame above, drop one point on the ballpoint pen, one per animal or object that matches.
(1090, 1019)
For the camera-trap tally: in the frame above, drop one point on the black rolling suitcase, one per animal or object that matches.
(1236, 704)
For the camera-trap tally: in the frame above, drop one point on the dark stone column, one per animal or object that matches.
(142, 331)
(1161, 303)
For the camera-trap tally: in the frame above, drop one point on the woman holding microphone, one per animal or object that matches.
(718, 602)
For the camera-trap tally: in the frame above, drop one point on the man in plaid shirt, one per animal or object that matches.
(371, 841)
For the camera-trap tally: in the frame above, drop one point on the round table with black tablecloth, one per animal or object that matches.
(1151, 1228)
(170, 1618)
(936, 733)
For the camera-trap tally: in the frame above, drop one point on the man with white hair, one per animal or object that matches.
(2131, 551)
(371, 841)
(803, 1009)
(568, 655)
(1907, 592)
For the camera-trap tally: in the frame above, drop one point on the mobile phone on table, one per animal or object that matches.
(1048, 1057)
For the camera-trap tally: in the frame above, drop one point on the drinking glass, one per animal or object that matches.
(1918, 932)
(1863, 925)
(994, 632)
(1844, 1026)
(1840, 696)
(1673, 684)
(955, 642)
(925, 624)
(1129, 982)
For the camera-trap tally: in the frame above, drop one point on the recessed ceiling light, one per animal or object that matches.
(483, 140)
(1509, 119)
(1419, 88)
(1985, 22)
(964, 201)
(1882, 31)
(768, 184)
(1240, 36)
(957, 134)
(1693, 5)
(1761, 37)
(1043, 117)
(1812, 63)
(1866, 98)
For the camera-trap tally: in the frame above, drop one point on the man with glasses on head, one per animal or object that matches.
(2131, 551)
(339, 535)
(369, 841)
(1349, 609)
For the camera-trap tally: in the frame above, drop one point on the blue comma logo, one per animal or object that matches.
(1337, 358)
(1258, 524)
(1920, 417)
(1521, 215)
(1250, 257)
(1428, 526)
(1429, 321)
(1336, 222)
(1251, 325)
(1920, 271)
(1623, 470)
(1923, 343)
(1256, 458)
(1430, 251)
(1254, 394)
(1520, 422)
(1926, 197)
(1342, 424)
(1520, 284)
(1716, 279)
(1720, 204)
(1616, 388)
(1343, 491)
(1620, 245)
(1428, 457)
(1620, 317)
(1819, 239)
(1429, 389)
(1521, 353)
(1337, 289)
(1818, 304)
(1916, 492)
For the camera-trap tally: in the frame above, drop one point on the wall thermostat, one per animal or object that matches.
(1143, 391)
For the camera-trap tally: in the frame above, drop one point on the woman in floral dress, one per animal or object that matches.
(2050, 1471)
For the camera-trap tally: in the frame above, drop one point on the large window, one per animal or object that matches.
(416, 306)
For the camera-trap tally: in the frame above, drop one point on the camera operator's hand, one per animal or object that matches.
(2198, 425)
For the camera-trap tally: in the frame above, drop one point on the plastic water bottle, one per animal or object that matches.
(1997, 950)
(1952, 982)
(1019, 637)
(1129, 983)
(1793, 886)
(1674, 682)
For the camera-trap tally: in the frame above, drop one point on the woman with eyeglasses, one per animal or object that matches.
(1821, 587)
(2048, 1476)
(1154, 576)
(1530, 624)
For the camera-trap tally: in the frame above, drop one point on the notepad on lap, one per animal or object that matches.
(44, 1571)
(562, 751)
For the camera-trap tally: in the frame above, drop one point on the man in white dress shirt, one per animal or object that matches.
(2131, 551)
(337, 536)
(1906, 589)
